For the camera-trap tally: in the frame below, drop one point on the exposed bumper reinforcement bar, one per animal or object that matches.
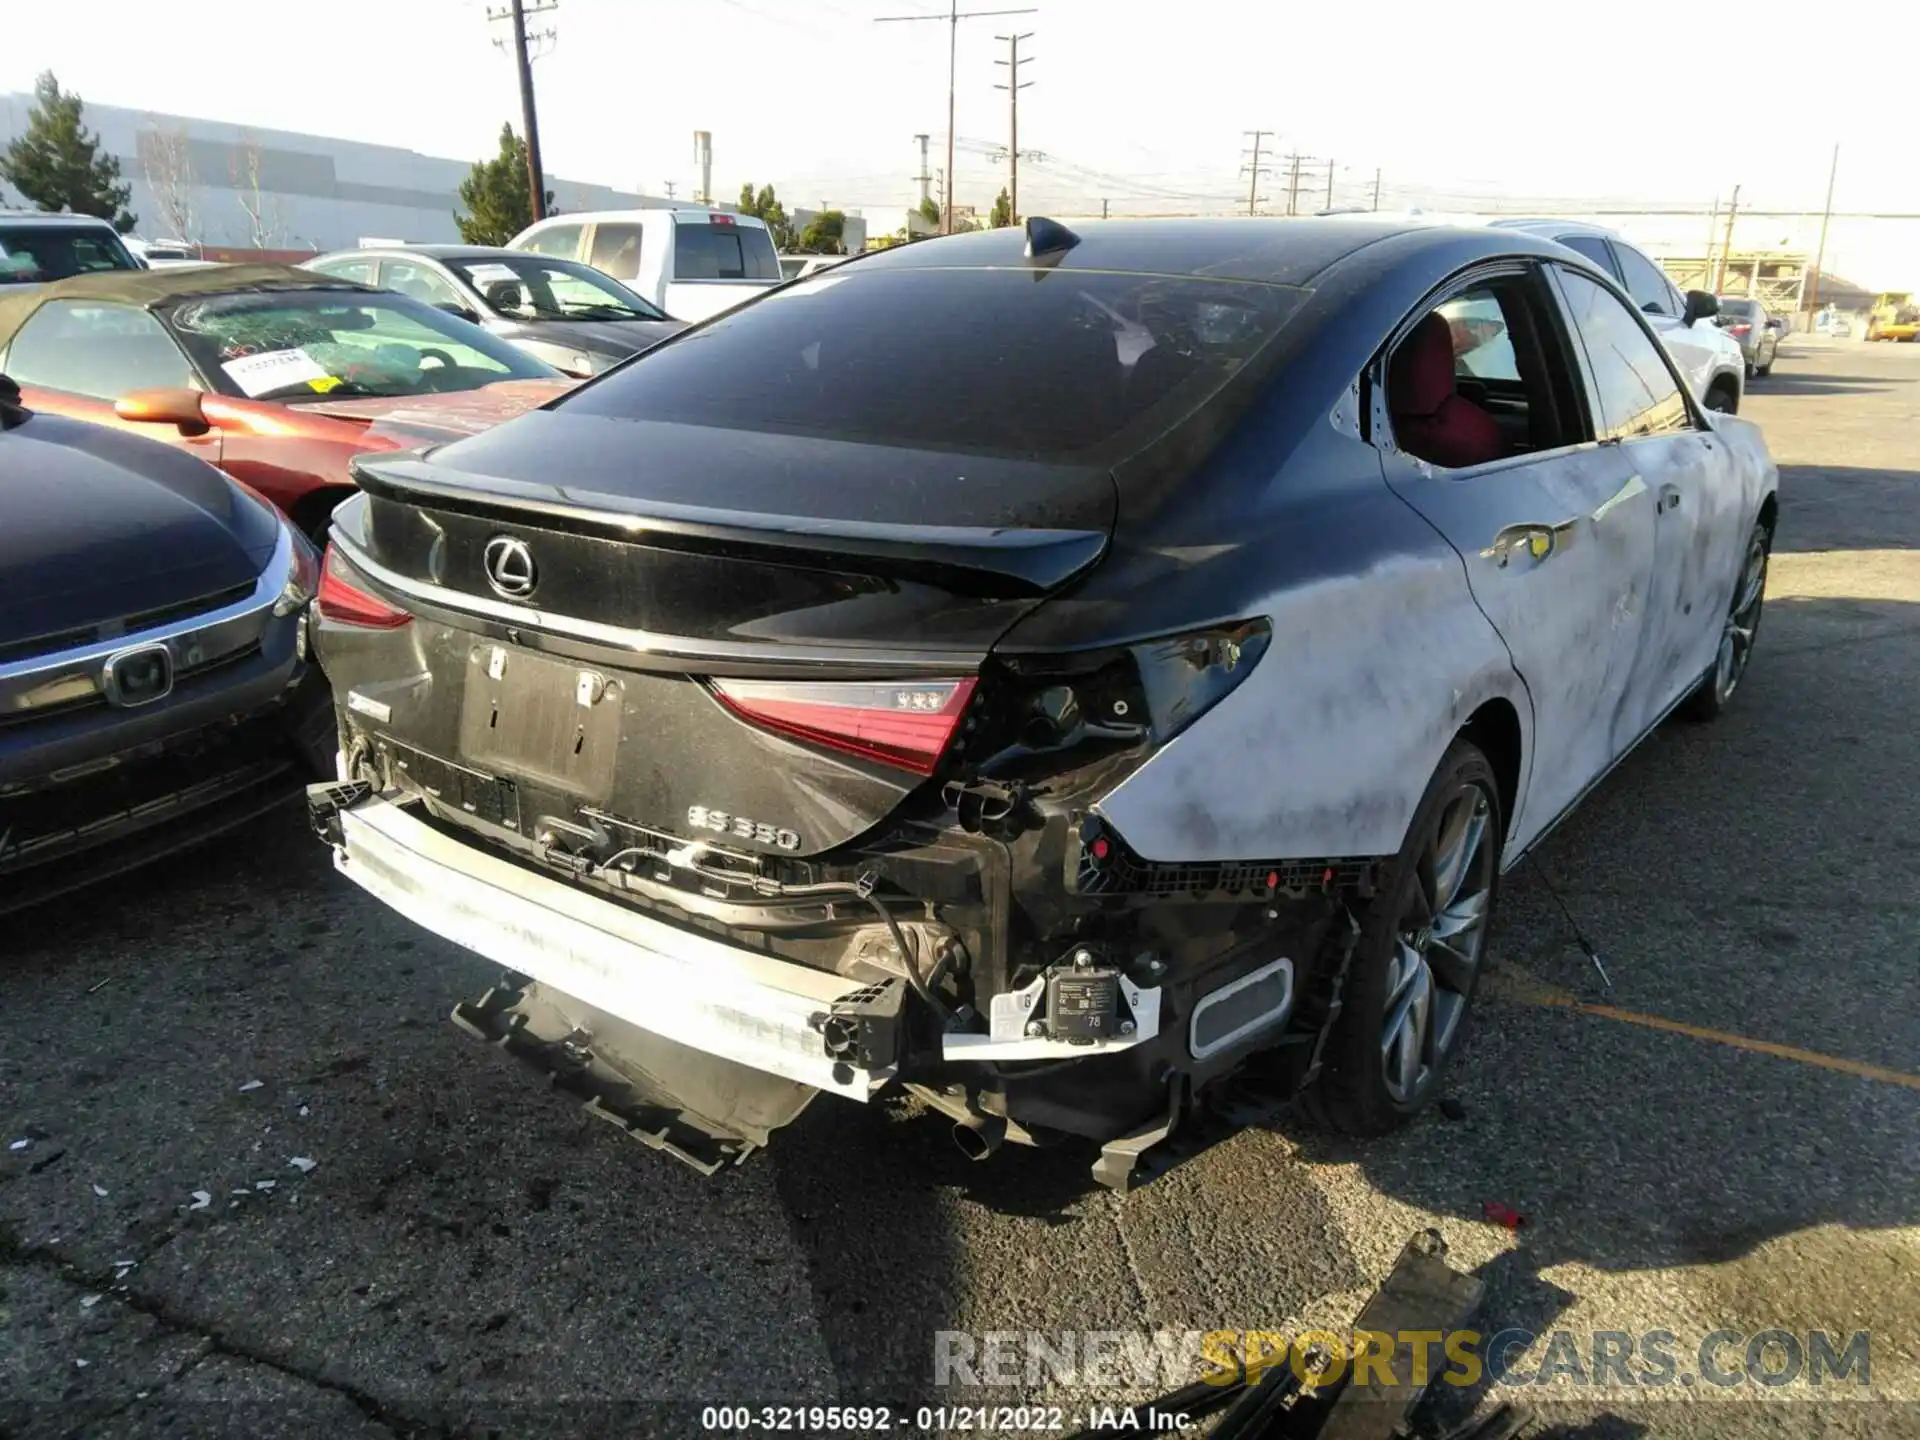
(698, 992)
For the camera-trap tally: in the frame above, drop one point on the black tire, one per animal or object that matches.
(1353, 1094)
(1720, 399)
(1764, 370)
(1739, 630)
(1750, 369)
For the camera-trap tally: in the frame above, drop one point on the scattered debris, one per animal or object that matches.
(303, 1163)
(122, 1267)
(87, 1302)
(265, 1184)
(240, 1192)
(252, 1085)
(305, 1111)
(1502, 1215)
(21, 1144)
(79, 1364)
(51, 1158)
(101, 1191)
(99, 985)
(1452, 1109)
(201, 1199)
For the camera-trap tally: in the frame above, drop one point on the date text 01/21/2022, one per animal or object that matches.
(926, 1419)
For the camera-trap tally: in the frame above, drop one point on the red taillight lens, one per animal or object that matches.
(907, 724)
(347, 604)
(1738, 329)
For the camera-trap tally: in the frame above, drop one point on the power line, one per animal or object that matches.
(953, 17)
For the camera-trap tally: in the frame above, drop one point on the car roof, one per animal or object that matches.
(431, 252)
(50, 217)
(1548, 225)
(1271, 250)
(629, 216)
(151, 288)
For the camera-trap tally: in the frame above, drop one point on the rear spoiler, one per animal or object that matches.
(1002, 563)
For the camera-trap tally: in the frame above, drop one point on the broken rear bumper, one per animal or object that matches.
(709, 996)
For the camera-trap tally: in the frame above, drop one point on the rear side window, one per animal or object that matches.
(561, 240)
(1048, 366)
(723, 252)
(1645, 282)
(361, 272)
(1595, 249)
(32, 254)
(616, 251)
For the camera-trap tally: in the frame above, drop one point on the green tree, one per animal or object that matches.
(1002, 209)
(495, 192)
(825, 234)
(766, 206)
(929, 211)
(57, 163)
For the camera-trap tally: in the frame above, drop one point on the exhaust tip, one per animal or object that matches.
(980, 1136)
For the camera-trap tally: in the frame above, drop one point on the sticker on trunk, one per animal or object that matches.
(272, 370)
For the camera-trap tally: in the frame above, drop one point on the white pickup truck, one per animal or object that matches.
(692, 262)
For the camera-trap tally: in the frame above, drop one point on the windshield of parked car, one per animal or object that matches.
(305, 344)
(534, 287)
(1041, 365)
(39, 252)
(723, 251)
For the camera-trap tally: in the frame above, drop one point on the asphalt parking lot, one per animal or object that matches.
(396, 1232)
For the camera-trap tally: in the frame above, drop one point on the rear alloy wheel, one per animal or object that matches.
(1737, 634)
(1418, 959)
(1720, 400)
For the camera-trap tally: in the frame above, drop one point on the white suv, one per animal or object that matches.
(1708, 356)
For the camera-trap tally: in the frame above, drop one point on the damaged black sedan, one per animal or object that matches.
(1134, 672)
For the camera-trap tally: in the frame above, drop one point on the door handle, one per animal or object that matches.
(1540, 541)
(1669, 498)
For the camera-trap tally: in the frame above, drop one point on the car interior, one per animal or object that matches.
(1483, 376)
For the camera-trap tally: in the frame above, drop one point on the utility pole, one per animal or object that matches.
(1013, 87)
(1329, 204)
(670, 189)
(1726, 246)
(1376, 187)
(1254, 169)
(923, 177)
(1820, 255)
(1293, 181)
(1103, 209)
(953, 17)
(518, 11)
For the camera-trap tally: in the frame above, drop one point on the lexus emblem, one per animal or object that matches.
(510, 568)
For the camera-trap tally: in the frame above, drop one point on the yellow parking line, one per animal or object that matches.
(1510, 983)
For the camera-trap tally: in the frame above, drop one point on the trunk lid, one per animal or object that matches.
(758, 642)
(697, 300)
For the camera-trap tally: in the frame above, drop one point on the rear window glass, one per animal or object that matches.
(32, 254)
(1737, 307)
(1046, 365)
(723, 252)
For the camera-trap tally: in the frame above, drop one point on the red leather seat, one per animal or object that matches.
(1430, 418)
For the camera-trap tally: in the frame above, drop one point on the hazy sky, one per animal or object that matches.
(1640, 100)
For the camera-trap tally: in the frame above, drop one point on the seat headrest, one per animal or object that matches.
(1420, 375)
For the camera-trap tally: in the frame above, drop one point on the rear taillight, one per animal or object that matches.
(1740, 329)
(347, 604)
(908, 724)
